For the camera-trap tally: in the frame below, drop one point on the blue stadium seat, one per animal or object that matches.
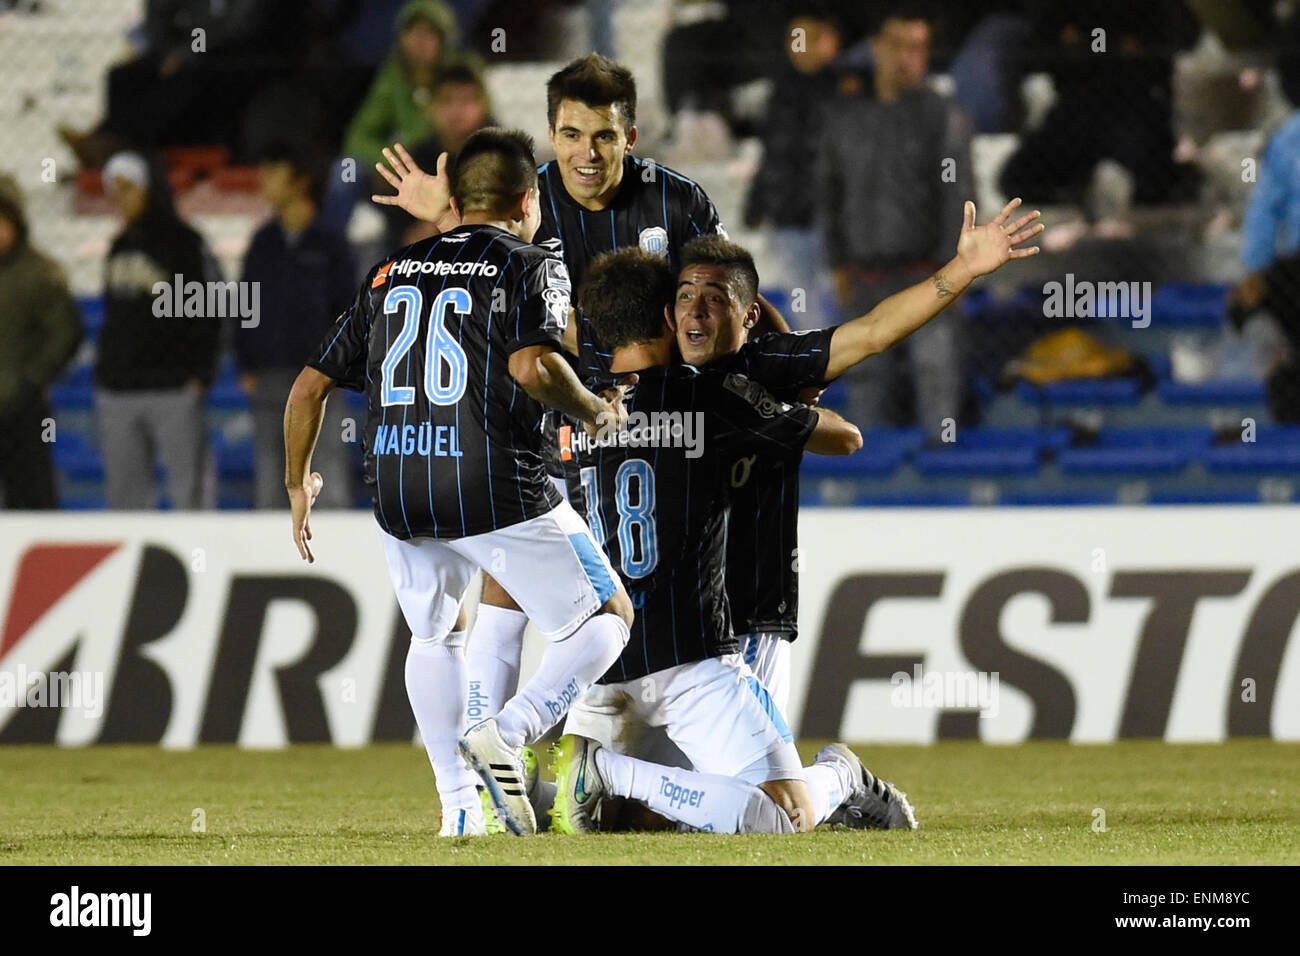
(1041, 439)
(89, 501)
(1189, 305)
(1189, 438)
(1055, 499)
(1160, 364)
(226, 394)
(836, 396)
(77, 457)
(75, 391)
(1252, 458)
(92, 315)
(912, 499)
(869, 462)
(1212, 393)
(233, 501)
(1082, 392)
(1139, 460)
(959, 462)
(1206, 496)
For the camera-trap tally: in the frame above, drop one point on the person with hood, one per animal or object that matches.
(395, 109)
(156, 361)
(40, 329)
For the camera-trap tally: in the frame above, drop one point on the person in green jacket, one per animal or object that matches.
(40, 329)
(395, 108)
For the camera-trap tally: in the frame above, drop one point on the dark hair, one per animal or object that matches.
(493, 169)
(307, 161)
(460, 72)
(623, 295)
(907, 11)
(725, 254)
(596, 81)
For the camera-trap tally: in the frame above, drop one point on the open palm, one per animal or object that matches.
(986, 248)
(424, 196)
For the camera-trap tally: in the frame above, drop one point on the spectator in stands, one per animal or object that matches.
(782, 193)
(1114, 100)
(893, 173)
(154, 366)
(459, 107)
(39, 330)
(1266, 303)
(395, 108)
(201, 63)
(304, 273)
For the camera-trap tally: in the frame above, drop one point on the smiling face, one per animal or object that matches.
(710, 317)
(590, 143)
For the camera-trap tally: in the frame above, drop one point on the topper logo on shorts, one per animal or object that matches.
(559, 708)
(679, 796)
(103, 909)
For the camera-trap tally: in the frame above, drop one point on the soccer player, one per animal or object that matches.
(455, 343)
(714, 310)
(657, 497)
(711, 315)
(596, 197)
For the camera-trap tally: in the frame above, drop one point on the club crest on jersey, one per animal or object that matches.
(654, 240)
(754, 394)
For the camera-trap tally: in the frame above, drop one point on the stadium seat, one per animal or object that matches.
(77, 457)
(1253, 458)
(234, 459)
(1189, 438)
(869, 462)
(76, 390)
(959, 462)
(912, 499)
(1208, 496)
(1187, 305)
(1123, 461)
(1040, 439)
(1212, 393)
(1082, 392)
(92, 315)
(1055, 499)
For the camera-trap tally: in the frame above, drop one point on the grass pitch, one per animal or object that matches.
(1035, 803)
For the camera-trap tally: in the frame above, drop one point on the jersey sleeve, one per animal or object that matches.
(543, 309)
(702, 215)
(343, 350)
(749, 420)
(787, 362)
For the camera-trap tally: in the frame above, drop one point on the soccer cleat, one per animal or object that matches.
(874, 803)
(578, 784)
(461, 823)
(501, 768)
(491, 821)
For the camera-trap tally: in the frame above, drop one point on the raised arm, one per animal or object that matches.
(980, 250)
(426, 197)
(833, 435)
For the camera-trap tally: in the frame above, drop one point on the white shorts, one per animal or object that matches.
(768, 656)
(550, 565)
(715, 711)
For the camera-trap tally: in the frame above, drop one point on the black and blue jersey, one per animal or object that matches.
(453, 445)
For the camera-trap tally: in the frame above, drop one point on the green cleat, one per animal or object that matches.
(578, 784)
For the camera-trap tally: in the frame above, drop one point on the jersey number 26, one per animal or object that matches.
(440, 347)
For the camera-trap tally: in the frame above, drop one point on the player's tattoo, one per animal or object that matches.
(941, 287)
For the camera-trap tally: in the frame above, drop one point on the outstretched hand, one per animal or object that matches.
(300, 502)
(424, 196)
(984, 249)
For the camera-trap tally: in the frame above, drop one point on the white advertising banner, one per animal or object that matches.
(1001, 624)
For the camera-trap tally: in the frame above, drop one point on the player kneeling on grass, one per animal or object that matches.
(657, 493)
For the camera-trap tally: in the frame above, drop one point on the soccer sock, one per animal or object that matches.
(493, 659)
(829, 784)
(703, 801)
(567, 669)
(435, 685)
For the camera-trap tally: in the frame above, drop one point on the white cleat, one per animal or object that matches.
(462, 823)
(502, 771)
(874, 803)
